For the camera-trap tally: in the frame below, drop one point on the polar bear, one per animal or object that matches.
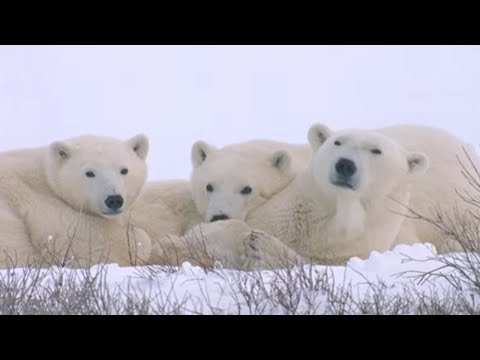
(346, 203)
(439, 189)
(67, 203)
(225, 184)
(166, 212)
(229, 182)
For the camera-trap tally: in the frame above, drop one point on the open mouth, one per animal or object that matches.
(343, 184)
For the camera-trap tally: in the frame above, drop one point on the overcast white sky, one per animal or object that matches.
(223, 94)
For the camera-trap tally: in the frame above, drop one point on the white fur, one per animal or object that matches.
(51, 212)
(230, 243)
(328, 223)
(437, 188)
(265, 167)
(164, 209)
(167, 209)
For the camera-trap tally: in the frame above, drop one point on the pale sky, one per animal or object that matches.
(223, 94)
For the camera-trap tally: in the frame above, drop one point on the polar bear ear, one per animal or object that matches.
(200, 151)
(417, 162)
(317, 135)
(60, 151)
(280, 160)
(139, 143)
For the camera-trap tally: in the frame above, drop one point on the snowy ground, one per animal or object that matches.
(406, 280)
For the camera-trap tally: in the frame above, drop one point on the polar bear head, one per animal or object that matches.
(97, 175)
(360, 163)
(229, 182)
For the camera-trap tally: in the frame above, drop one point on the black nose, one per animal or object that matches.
(114, 202)
(345, 167)
(219, 217)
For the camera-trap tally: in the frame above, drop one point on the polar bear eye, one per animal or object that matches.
(124, 171)
(90, 174)
(338, 143)
(246, 190)
(376, 151)
(209, 188)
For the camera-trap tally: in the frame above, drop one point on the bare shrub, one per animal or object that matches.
(459, 265)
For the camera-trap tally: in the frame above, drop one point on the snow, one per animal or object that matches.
(188, 289)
